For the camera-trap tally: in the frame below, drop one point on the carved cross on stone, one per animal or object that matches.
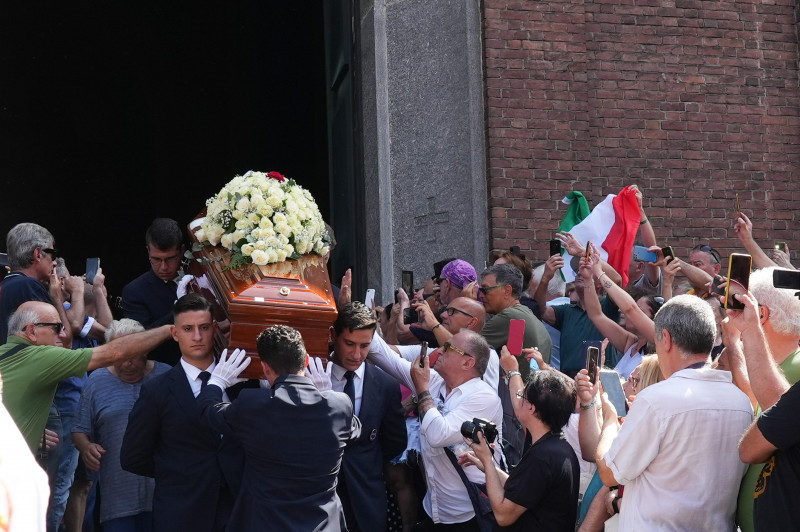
(430, 222)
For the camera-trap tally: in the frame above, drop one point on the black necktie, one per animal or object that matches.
(204, 376)
(349, 387)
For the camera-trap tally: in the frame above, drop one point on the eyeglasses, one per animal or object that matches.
(448, 345)
(711, 251)
(520, 394)
(452, 310)
(634, 381)
(57, 326)
(52, 252)
(155, 261)
(487, 289)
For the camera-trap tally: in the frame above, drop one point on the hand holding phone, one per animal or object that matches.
(642, 254)
(516, 334)
(555, 247)
(92, 264)
(739, 267)
(592, 362)
(423, 352)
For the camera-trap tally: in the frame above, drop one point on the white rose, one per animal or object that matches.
(259, 257)
(248, 249)
(283, 239)
(238, 235)
(279, 218)
(260, 244)
(242, 224)
(243, 204)
(200, 235)
(214, 234)
(227, 240)
(265, 222)
(272, 256)
(272, 242)
(281, 255)
(265, 212)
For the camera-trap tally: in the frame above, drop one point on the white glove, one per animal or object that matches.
(227, 371)
(320, 376)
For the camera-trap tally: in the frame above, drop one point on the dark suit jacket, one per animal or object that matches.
(383, 437)
(149, 300)
(197, 472)
(293, 438)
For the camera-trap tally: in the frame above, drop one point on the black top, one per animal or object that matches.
(546, 483)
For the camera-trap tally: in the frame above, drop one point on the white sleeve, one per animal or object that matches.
(385, 358)
(492, 374)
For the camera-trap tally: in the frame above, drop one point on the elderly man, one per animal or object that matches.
(148, 299)
(31, 256)
(779, 323)
(500, 290)
(677, 452)
(33, 361)
(455, 276)
(446, 397)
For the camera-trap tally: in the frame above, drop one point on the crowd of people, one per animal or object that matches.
(428, 420)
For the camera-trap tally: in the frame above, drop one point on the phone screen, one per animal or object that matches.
(592, 362)
(516, 333)
(91, 268)
(555, 247)
(613, 387)
(739, 266)
(588, 250)
(423, 352)
(781, 246)
(408, 283)
(369, 300)
(668, 253)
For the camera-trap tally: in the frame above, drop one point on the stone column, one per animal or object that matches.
(424, 137)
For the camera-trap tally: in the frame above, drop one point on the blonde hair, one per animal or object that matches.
(649, 372)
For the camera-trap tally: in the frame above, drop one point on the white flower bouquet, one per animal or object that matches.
(263, 219)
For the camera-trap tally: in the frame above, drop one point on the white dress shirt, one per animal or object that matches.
(446, 500)
(338, 380)
(678, 453)
(193, 376)
(491, 376)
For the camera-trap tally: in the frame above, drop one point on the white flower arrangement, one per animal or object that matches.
(263, 219)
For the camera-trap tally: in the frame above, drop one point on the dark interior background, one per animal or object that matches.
(114, 113)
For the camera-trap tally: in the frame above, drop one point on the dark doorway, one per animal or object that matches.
(113, 113)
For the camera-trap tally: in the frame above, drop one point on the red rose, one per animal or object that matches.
(277, 175)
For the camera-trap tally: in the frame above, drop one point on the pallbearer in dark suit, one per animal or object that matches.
(197, 471)
(293, 436)
(376, 398)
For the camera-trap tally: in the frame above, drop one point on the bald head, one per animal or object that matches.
(464, 313)
(22, 323)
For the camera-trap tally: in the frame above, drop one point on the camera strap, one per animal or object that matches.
(477, 496)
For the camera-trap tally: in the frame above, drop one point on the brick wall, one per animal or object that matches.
(693, 100)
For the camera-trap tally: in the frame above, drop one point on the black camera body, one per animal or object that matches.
(470, 429)
(782, 278)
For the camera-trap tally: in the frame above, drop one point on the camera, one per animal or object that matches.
(470, 429)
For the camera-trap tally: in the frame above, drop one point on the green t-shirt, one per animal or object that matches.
(30, 378)
(576, 327)
(747, 490)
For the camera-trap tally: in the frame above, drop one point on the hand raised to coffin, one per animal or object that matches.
(228, 369)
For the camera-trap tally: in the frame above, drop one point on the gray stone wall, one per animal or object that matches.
(424, 137)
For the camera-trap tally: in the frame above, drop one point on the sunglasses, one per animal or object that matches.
(448, 345)
(52, 252)
(487, 289)
(708, 249)
(57, 327)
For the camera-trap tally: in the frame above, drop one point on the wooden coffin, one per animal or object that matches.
(249, 299)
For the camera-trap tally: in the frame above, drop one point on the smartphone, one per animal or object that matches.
(592, 362)
(668, 252)
(555, 247)
(407, 283)
(641, 254)
(588, 250)
(739, 266)
(516, 332)
(423, 352)
(369, 300)
(786, 279)
(91, 268)
(781, 246)
(410, 315)
(613, 387)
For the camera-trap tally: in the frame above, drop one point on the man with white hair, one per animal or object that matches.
(677, 453)
(779, 315)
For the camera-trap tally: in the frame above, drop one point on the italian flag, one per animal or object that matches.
(611, 227)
